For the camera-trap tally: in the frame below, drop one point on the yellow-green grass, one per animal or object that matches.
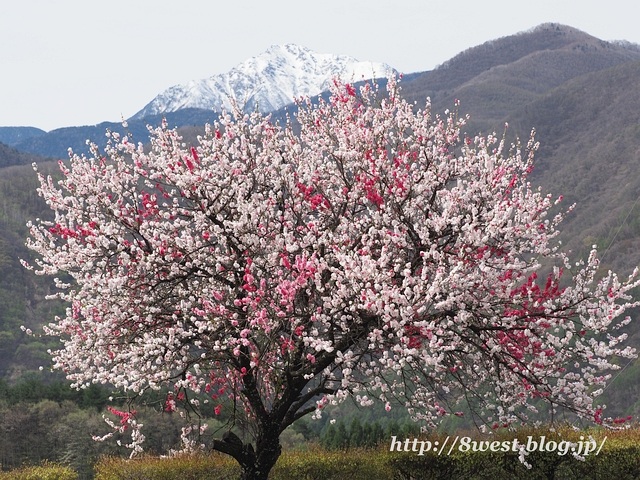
(46, 471)
(619, 459)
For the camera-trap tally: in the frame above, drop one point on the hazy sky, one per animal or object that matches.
(80, 62)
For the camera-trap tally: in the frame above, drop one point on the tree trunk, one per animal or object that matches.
(257, 464)
(268, 451)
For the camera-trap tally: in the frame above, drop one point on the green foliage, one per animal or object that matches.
(367, 434)
(44, 472)
(62, 432)
(50, 431)
(32, 389)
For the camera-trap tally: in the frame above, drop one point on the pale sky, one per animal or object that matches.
(81, 62)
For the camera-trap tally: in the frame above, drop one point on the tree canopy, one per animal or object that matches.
(365, 251)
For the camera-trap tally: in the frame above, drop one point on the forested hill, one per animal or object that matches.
(589, 129)
(10, 156)
(56, 143)
(21, 293)
(497, 78)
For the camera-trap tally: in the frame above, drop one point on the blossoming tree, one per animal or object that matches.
(370, 253)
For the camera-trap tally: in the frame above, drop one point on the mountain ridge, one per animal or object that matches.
(490, 80)
(498, 86)
(269, 81)
(11, 135)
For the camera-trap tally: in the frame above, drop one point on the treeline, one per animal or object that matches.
(33, 390)
(367, 434)
(52, 422)
(31, 433)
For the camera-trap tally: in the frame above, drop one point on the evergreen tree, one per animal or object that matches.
(342, 436)
(329, 437)
(356, 436)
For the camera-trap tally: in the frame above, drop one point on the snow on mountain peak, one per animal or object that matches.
(271, 80)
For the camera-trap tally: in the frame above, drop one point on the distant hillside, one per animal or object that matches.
(496, 78)
(10, 156)
(11, 135)
(583, 97)
(22, 294)
(589, 129)
(56, 143)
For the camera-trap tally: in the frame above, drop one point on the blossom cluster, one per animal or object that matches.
(362, 249)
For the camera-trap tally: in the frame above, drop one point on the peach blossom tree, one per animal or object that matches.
(367, 250)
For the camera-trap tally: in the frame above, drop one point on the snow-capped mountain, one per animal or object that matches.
(271, 80)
